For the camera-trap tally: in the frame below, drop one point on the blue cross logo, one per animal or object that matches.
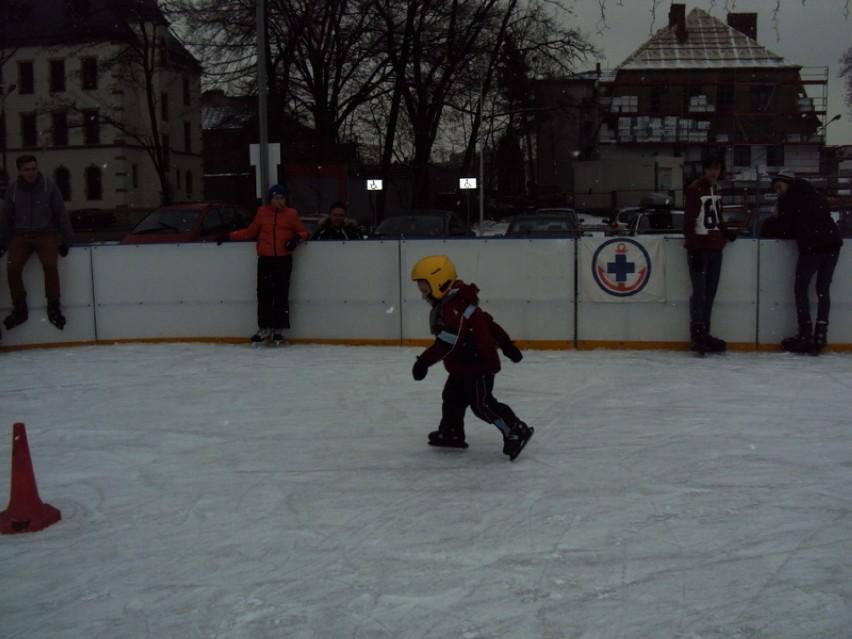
(621, 267)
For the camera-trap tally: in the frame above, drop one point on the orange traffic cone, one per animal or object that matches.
(26, 512)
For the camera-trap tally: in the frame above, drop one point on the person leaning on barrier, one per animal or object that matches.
(705, 236)
(34, 220)
(336, 226)
(803, 215)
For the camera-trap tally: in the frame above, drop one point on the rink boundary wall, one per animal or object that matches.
(359, 293)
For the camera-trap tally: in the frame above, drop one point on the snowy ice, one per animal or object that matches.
(225, 491)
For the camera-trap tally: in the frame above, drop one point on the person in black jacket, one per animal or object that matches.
(336, 226)
(803, 215)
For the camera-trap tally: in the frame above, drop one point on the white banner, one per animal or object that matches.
(622, 269)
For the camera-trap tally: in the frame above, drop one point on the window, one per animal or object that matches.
(26, 78)
(62, 177)
(742, 155)
(759, 98)
(29, 132)
(775, 155)
(164, 107)
(726, 97)
(134, 176)
(177, 179)
(187, 92)
(93, 183)
(187, 137)
(91, 127)
(89, 73)
(60, 129)
(57, 75)
(189, 185)
(167, 158)
(659, 99)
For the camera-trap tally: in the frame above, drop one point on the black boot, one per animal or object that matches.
(801, 342)
(698, 338)
(54, 314)
(18, 315)
(447, 438)
(820, 337)
(714, 344)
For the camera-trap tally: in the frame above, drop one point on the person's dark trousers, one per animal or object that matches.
(273, 291)
(461, 391)
(705, 283)
(22, 246)
(807, 266)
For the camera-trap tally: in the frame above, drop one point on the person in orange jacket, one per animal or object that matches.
(278, 231)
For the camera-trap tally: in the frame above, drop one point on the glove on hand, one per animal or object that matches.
(63, 249)
(731, 235)
(695, 259)
(419, 370)
(225, 237)
(512, 352)
(2, 250)
(292, 243)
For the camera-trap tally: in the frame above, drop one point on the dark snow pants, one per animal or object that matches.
(461, 391)
(273, 291)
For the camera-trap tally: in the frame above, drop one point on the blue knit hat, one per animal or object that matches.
(278, 189)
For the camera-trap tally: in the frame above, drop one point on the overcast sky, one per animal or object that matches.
(810, 33)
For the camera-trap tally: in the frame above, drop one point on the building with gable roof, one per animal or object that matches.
(700, 84)
(77, 95)
(696, 86)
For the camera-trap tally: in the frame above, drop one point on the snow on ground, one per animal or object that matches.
(221, 491)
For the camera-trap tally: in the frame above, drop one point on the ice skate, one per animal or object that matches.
(18, 316)
(447, 439)
(54, 315)
(698, 338)
(278, 336)
(261, 336)
(801, 342)
(517, 440)
(714, 344)
(820, 338)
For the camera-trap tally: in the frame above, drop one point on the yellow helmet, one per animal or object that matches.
(438, 270)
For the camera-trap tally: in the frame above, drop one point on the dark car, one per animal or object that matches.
(657, 222)
(545, 223)
(422, 223)
(200, 222)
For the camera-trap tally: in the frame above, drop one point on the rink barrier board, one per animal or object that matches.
(360, 293)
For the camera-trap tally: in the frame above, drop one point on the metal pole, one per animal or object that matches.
(263, 116)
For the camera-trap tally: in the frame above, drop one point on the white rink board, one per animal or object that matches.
(362, 291)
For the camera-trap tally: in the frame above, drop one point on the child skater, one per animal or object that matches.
(466, 339)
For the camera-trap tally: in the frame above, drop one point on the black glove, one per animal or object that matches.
(292, 243)
(225, 237)
(731, 235)
(512, 352)
(63, 249)
(419, 370)
(2, 250)
(695, 259)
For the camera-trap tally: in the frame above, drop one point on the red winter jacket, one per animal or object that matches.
(463, 333)
(703, 228)
(272, 228)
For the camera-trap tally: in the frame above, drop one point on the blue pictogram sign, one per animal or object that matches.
(621, 267)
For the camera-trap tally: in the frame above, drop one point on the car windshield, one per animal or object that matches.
(661, 221)
(167, 221)
(411, 225)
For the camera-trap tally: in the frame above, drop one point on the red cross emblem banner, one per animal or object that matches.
(622, 270)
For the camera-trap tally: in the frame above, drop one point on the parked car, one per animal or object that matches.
(82, 219)
(422, 223)
(199, 222)
(621, 219)
(657, 222)
(545, 223)
(735, 216)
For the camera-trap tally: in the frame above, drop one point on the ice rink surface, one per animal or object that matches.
(221, 491)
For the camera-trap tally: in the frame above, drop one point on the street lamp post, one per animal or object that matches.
(825, 126)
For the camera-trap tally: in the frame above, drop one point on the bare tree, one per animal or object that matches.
(846, 73)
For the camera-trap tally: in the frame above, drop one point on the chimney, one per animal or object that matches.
(745, 23)
(677, 21)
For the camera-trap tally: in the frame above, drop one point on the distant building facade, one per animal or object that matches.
(77, 95)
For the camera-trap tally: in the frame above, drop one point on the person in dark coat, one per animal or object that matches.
(466, 340)
(336, 226)
(34, 220)
(803, 215)
(705, 236)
